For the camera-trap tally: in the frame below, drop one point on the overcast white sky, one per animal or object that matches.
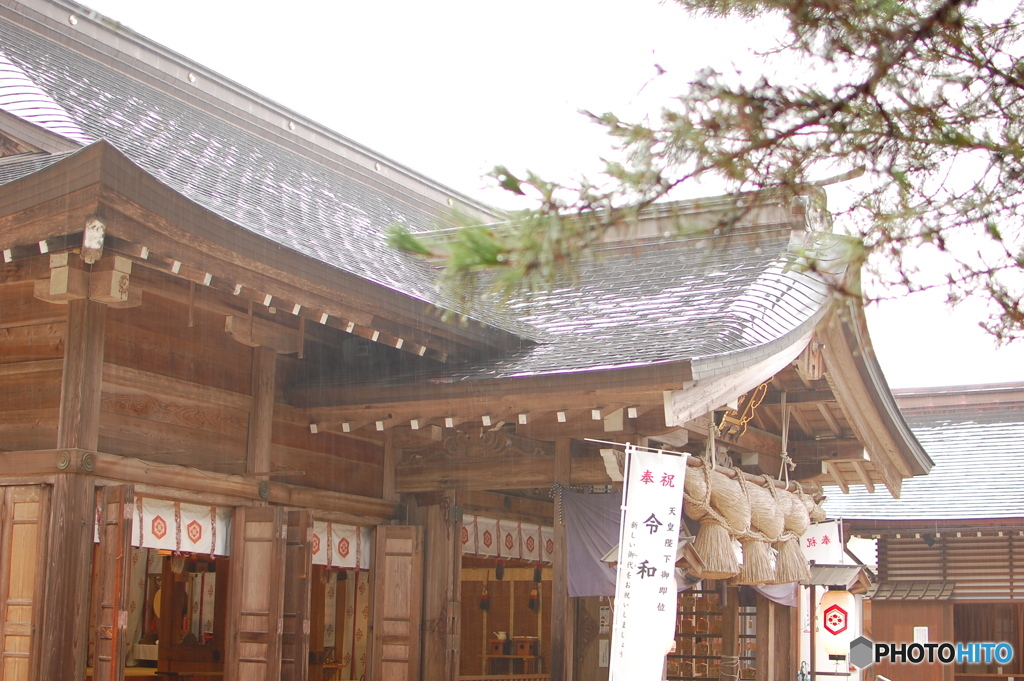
(454, 87)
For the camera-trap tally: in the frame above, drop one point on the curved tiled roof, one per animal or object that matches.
(14, 167)
(239, 175)
(675, 299)
(23, 98)
(692, 299)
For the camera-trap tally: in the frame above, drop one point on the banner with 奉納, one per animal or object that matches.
(643, 629)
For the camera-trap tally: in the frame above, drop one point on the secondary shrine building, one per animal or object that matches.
(238, 440)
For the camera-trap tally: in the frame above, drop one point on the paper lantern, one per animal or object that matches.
(836, 614)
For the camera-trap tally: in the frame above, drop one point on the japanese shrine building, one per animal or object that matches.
(949, 551)
(237, 438)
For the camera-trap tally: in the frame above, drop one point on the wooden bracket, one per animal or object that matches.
(108, 283)
(68, 281)
(255, 333)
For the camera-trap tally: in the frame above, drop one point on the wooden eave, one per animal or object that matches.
(964, 526)
(606, 390)
(140, 210)
(862, 392)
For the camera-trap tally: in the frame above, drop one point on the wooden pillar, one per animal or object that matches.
(812, 606)
(771, 646)
(441, 604)
(298, 570)
(390, 462)
(261, 418)
(563, 613)
(730, 633)
(79, 425)
(68, 569)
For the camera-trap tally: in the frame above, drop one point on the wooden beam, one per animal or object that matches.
(38, 209)
(862, 473)
(404, 437)
(545, 393)
(259, 333)
(801, 397)
(563, 621)
(357, 509)
(502, 506)
(763, 442)
(492, 474)
(837, 476)
(261, 418)
(150, 383)
(826, 413)
(578, 425)
(800, 421)
(768, 649)
(390, 462)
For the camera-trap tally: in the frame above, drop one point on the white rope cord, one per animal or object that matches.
(787, 461)
(729, 667)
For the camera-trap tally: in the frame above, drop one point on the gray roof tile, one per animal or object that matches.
(691, 303)
(669, 301)
(979, 469)
(262, 187)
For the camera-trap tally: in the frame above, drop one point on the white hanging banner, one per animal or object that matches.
(467, 535)
(529, 545)
(643, 630)
(506, 539)
(823, 543)
(509, 547)
(547, 546)
(340, 546)
(346, 538)
(176, 526)
(487, 536)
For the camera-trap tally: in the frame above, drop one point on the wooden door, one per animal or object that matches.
(397, 602)
(23, 522)
(297, 570)
(112, 574)
(256, 595)
(895, 621)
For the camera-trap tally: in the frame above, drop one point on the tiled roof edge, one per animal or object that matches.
(113, 44)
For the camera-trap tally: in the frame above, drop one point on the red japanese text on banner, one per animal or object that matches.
(823, 543)
(645, 587)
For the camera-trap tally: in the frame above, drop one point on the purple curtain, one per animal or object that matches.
(591, 530)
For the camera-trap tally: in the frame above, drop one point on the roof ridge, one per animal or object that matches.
(116, 46)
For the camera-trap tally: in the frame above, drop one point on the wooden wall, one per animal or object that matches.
(32, 335)
(894, 621)
(176, 389)
(986, 567)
